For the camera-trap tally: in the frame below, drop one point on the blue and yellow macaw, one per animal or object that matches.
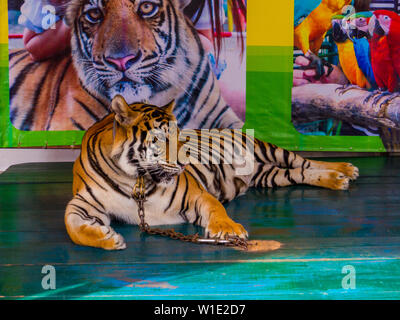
(361, 44)
(354, 53)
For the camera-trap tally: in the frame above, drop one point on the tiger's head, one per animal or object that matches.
(135, 48)
(145, 140)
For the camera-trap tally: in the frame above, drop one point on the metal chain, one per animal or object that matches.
(139, 195)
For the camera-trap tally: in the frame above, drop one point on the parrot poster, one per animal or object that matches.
(367, 46)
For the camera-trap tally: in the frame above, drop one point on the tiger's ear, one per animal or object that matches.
(169, 108)
(123, 112)
(184, 3)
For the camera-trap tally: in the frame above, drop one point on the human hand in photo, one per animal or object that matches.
(307, 76)
(50, 43)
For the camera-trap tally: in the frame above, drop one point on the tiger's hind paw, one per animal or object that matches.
(225, 228)
(348, 169)
(335, 180)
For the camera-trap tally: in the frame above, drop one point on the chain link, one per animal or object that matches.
(139, 196)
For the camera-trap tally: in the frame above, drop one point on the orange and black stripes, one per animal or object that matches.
(116, 151)
(47, 95)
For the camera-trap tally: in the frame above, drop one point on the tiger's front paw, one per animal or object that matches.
(112, 240)
(222, 228)
(348, 169)
(97, 236)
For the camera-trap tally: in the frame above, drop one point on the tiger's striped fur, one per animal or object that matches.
(122, 147)
(149, 59)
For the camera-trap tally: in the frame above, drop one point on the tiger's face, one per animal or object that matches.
(146, 140)
(133, 48)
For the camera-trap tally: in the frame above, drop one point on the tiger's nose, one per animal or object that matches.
(124, 63)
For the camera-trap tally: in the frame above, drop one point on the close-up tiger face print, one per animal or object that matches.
(134, 48)
(146, 51)
(144, 140)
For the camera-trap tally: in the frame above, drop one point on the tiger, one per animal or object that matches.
(144, 50)
(137, 141)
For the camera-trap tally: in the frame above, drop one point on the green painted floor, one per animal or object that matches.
(322, 231)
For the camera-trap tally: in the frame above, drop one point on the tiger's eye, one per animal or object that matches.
(93, 15)
(148, 9)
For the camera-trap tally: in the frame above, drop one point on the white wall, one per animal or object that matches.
(9, 157)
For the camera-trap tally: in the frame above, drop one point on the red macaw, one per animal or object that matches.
(381, 60)
(387, 23)
(382, 64)
(385, 52)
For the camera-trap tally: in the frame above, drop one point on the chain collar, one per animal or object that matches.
(138, 192)
(139, 195)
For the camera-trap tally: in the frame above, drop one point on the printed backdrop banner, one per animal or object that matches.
(310, 119)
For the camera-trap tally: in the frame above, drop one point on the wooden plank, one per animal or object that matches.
(38, 173)
(375, 279)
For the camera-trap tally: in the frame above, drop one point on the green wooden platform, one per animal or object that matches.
(322, 231)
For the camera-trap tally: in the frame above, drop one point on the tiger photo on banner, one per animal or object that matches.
(347, 69)
(69, 58)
